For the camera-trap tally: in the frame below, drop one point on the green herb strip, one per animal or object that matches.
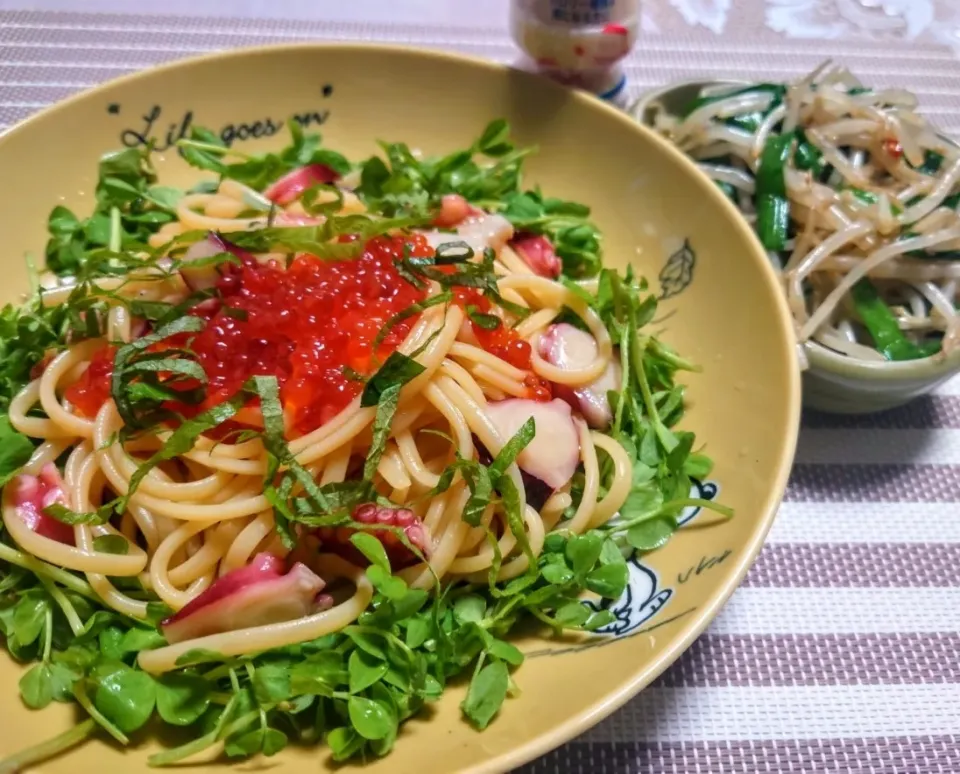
(127, 355)
(883, 327)
(773, 206)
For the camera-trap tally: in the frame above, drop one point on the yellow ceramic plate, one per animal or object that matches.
(656, 212)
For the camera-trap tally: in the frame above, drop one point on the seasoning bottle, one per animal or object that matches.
(580, 43)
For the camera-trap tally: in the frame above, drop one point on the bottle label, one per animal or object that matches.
(578, 42)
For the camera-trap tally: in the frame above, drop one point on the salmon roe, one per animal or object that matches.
(305, 324)
(302, 324)
(504, 342)
(92, 389)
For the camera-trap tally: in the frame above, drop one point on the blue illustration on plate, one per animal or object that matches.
(700, 490)
(643, 597)
(640, 602)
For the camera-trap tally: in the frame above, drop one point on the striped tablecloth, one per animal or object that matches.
(841, 651)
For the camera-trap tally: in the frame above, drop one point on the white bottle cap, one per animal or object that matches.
(580, 43)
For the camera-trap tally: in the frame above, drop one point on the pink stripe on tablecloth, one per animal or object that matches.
(874, 483)
(722, 660)
(857, 564)
(882, 755)
(931, 412)
(65, 57)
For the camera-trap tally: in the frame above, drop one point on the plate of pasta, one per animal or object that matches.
(359, 418)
